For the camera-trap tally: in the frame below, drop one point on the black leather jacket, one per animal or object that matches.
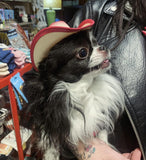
(128, 65)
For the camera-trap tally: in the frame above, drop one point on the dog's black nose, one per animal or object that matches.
(101, 48)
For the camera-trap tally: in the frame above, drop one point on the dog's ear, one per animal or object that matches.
(32, 85)
(56, 112)
(33, 90)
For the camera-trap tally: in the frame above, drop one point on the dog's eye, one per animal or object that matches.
(82, 53)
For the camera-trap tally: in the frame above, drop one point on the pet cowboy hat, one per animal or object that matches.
(46, 38)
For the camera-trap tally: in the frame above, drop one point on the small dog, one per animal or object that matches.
(72, 97)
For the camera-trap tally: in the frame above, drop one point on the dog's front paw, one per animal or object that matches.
(103, 135)
(51, 154)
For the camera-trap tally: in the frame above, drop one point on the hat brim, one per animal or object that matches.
(48, 37)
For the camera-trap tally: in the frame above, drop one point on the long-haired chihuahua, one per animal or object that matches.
(71, 96)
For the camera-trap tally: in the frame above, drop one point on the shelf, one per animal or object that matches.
(29, 1)
(5, 80)
(25, 23)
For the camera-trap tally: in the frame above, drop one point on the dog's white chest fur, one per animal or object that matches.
(101, 100)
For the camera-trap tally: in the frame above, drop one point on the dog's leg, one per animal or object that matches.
(51, 154)
(102, 135)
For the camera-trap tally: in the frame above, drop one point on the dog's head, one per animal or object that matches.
(75, 56)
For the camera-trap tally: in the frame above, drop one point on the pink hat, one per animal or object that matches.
(46, 38)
